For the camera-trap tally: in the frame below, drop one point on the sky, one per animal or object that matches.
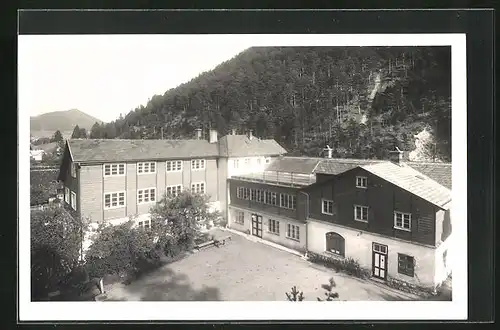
(105, 75)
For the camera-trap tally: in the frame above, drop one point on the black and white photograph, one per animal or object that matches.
(243, 170)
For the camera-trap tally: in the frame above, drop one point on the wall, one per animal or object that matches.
(251, 167)
(93, 186)
(91, 196)
(298, 245)
(222, 186)
(382, 198)
(358, 245)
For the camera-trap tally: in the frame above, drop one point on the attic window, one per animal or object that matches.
(420, 177)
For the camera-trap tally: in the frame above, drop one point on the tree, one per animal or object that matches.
(57, 137)
(83, 133)
(96, 131)
(76, 133)
(56, 243)
(295, 295)
(123, 249)
(178, 221)
(330, 295)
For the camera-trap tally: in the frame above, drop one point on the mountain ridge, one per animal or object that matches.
(62, 120)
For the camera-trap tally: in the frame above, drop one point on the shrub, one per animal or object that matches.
(349, 266)
(330, 295)
(122, 250)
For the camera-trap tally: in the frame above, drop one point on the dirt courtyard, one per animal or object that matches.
(243, 270)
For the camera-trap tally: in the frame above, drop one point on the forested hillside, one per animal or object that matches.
(362, 101)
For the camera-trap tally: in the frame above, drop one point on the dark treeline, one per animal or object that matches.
(362, 101)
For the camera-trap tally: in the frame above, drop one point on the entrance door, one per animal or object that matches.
(379, 261)
(257, 225)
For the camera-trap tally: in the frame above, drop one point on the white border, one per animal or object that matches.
(365, 310)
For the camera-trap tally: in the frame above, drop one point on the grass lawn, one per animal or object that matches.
(243, 270)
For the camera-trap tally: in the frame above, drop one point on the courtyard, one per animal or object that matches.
(244, 270)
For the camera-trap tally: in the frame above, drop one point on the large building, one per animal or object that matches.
(387, 215)
(112, 180)
(392, 216)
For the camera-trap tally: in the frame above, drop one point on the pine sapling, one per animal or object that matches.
(295, 295)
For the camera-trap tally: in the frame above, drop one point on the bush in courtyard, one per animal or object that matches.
(330, 294)
(122, 249)
(294, 295)
(56, 241)
(179, 221)
(349, 266)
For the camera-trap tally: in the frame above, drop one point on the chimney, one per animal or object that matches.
(233, 132)
(250, 135)
(396, 156)
(198, 134)
(213, 136)
(329, 151)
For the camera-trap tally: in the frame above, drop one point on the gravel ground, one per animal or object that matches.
(243, 270)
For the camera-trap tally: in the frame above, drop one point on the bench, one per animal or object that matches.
(202, 245)
(222, 240)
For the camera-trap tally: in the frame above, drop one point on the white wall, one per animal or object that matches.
(358, 245)
(245, 168)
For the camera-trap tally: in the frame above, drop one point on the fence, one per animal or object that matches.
(282, 178)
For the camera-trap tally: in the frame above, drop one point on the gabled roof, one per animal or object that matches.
(242, 146)
(277, 178)
(439, 172)
(103, 150)
(340, 165)
(412, 181)
(302, 165)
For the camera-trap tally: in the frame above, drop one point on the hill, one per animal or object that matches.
(362, 101)
(64, 121)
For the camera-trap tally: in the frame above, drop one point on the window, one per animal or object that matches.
(360, 213)
(268, 160)
(327, 207)
(145, 224)
(253, 194)
(247, 161)
(269, 197)
(406, 265)
(274, 226)
(240, 218)
(335, 244)
(292, 231)
(146, 195)
(198, 187)
(361, 182)
(66, 195)
(445, 254)
(274, 199)
(236, 163)
(174, 166)
(239, 192)
(197, 164)
(258, 161)
(288, 201)
(73, 200)
(114, 200)
(402, 221)
(379, 248)
(114, 169)
(260, 196)
(145, 168)
(173, 191)
(246, 193)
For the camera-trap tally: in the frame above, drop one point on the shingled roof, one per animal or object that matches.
(439, 172)
(412, 181)
(300, 165)
(340, 165)
(242, 146)
(92, 150)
